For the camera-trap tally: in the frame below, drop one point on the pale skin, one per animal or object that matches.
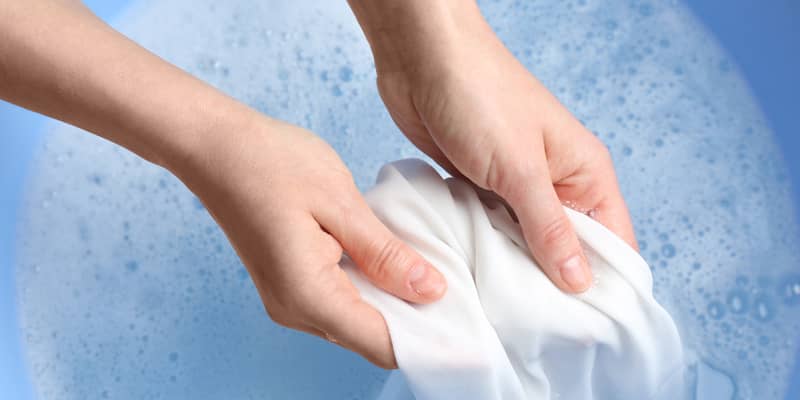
(285, 200)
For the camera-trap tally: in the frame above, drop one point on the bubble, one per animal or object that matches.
(132, 266)
(789, 290)
(346, 74)
(83, 232)
(97, 179)
(763, 309)
(627, 151)
(674, 97)
(283, 74)
(737, 302)
(668, 250)
(716, 310)
(198, 204)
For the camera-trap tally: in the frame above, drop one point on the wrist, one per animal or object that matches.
(206, 150)
(413, 35)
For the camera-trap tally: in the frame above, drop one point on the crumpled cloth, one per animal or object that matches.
(503, 330)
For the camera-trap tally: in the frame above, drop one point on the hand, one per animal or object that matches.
(287, 203)
(460, 96)
(289, 206)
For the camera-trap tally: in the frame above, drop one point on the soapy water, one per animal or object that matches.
(128, 289)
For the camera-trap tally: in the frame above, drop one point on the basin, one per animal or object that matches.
(116, 283)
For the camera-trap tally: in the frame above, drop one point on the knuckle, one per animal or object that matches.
(388, 256)
(556, 233)
(604, 154)
(284, 309)
(277, 315)
(508, 180)
(599, 151)
(494, 174)
(332, 250)
(348, 210)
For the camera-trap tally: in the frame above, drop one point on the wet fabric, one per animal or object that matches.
(503, 330)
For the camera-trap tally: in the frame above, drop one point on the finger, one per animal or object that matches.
(612, 211)
(387, 261)
(423, 141)
(529, 190)
(375, 345)
(348, 321)
(322, 301)
(597, 188)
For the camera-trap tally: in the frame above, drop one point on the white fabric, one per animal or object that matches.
(503, 330)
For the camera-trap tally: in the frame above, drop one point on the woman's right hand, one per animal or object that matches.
(289, 207)
(460, 96)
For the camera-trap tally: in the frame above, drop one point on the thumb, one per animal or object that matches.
(546, 227)
(387, 261)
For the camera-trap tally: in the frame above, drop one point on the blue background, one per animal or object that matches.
(20, 131)
(761, 36)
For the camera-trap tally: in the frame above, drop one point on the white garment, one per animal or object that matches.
(503, 330)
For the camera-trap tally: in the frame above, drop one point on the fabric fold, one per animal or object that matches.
(503, 330)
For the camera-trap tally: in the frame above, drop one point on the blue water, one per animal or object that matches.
(759, 50)
(20, 130)
(13, 168)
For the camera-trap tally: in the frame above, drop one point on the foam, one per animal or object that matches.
(129, 290)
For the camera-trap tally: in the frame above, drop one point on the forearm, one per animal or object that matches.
(404, 34)
(58, 59)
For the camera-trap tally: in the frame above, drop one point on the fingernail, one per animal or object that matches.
(573, 272)
(424, 281)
